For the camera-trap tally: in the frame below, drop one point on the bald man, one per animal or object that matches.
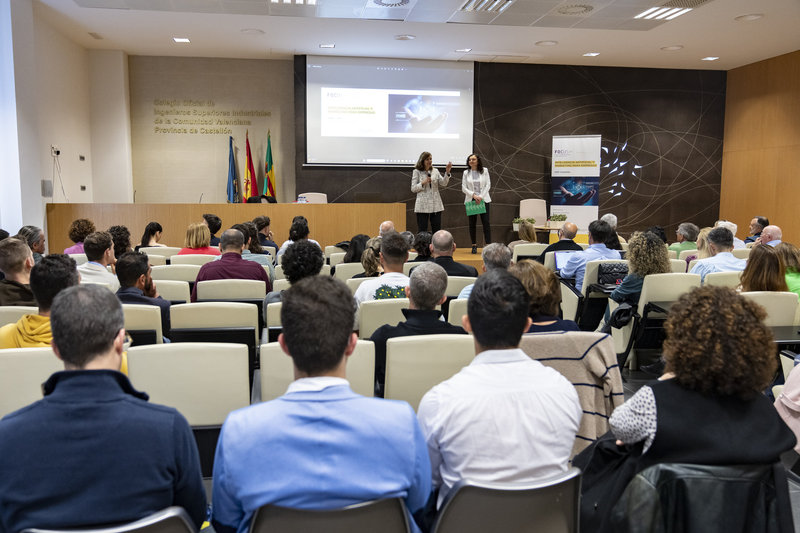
(771, 235)
(565, 241)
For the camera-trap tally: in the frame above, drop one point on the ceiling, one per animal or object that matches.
(262, 29)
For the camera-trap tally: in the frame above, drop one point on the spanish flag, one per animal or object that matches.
(269, 169)
(250, 181)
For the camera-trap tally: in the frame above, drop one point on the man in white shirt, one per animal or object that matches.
(599, 233)
(393, 283)
(505, 417)
(99, 250)
(720, 243)
(737, 243)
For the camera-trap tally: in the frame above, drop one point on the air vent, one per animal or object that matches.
(685, 4)
(486, 6)
(575, 9)
(391, 3)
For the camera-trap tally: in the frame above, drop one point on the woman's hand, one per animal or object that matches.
(448, 167)
(477, 199)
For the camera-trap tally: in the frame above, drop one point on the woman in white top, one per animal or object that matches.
(475, 186)
(425, 182)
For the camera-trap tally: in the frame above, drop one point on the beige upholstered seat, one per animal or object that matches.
(415, 364)
(692, 263)
(279, 272)
(336, 258)
(353, 283)
(458, 308)
(456, 283)
(231, 289)
(329, 250)
(590, 275)
(741, 253)
(175, 272)
(214, 315)
(191, 259)
(345, 271)
(374, 314)
(686, 253)
(281, 285)
(534, 208)
(550, 260)
(314, 197)
(174, 290)
(273, 318)
(534, 248)
(143, 317)
(157, 260)
(277, 370)
(79, 258)
(22, 372)
(723, 279)
(204, 381)
(678, 266)
(166, 251)
(12, 313)
(408, 265)
(672, 254)
(781, 307)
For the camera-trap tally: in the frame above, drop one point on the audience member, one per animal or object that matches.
(151, 235)
(494, 255)
(78, 231)
(686, 237)
(409, 237)
(198, 241)
(231, 265)
(34, 237)
(265, 237)
(50, 276)
(476, 422)
(770, 235)
(544, 294)
(299, 230)
(527, 234)
(386, 226)
(426, 290)
(214, 224)
(756, 225)
(393, 283)
(720, 244)
(565, 242)
(252, 249)
(371, 259)
(611, 220)
(301, 260)
(422, 245)
(16, 262)
(790, 257)
(138, 287)
(355, 449)
(358, 243)
(122, 240)
(703, 250)
(93, 452)
(737, 243)
(442, 248)
(646, 255)
(99, 250)
(659, 232)
(764, 270)
(599, 233)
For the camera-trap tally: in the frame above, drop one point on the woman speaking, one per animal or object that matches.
(425, 182)
(475, 186)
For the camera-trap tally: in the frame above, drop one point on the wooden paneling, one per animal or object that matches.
(761, 150)
(329, 223)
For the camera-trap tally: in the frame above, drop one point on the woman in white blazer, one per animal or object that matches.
(475, 185)
(425, 182)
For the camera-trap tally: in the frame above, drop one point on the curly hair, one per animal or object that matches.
(647, 254)
(302, 259)
(79, 229)
(790, 256)
(764, 270)
(422, 244)
(730, 352)
(370, 259)
(541, 284)
(122, 239)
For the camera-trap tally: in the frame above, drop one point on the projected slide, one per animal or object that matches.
(575, 191)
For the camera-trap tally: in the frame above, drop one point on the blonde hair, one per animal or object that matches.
(370, 259)
(703, 251)
(541, 284)
(527, 231)
(197, 236)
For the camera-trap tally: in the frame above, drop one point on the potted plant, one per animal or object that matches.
(557, 220)
(517, 221)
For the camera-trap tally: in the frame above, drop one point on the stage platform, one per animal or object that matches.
(465, 256)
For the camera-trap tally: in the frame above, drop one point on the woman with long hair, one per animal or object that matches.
(198, 241)
(544, 291)
(790, 257)
(646, 255)
(151, 235)
(475, 184)
(425, 183)
(358, 243)
(764, 270)
(527, 234)
(370, 259)
(298, 231)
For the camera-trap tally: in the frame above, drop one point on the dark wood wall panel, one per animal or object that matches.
(662, 144)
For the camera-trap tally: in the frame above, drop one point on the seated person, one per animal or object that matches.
(231, 265)
(16, 261)
(122, 239)
(764, 271)
(737, 243)
(422, 245)
(138, 287)
(54, 273)
(301, 260)
(443, 246)
(94, 452)
(392, 283)
(214, 224)
(252, 248)
(298, 230)
(476, 422)
(99, 250)
(265, 237)
(494, 255)
(790, 257)
(320, 445)
(358, 243)
(770, 235)
(151, 236)
(198, 241)
(544, 294)
(371, 259)
(34, 237)
(565, 242)
(527, 234)
(425, 291)
(686, 237)
(756, 226)
(78, 231)
(703, 250)
(720, 244)
(599, 233)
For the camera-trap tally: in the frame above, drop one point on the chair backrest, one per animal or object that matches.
(570, 301)
(686, 253)
(175, 272)
(787, 364)
(592, 267)
(22, 372)
(412, 255)
(166, 251)
(534, 248)
(157, 260)
(415, 364)
(271, 250)
(204, 381)
(10, 314)
(723, 279)
(456, 283)
(672, 254)
(336, 257)
(170, 520)
(79, 258)
(191, 259)
(550, 505)
(407, 266)
(386, 516)
(99, 284)
(677, 265)
(174, 290)
(741, 253)
(143, 317)
(214, 315)
(281, 285)
(353, 283)
(332, 250)
(346, 271)
(279, 272)
(583, 245)
(550, 260)
(277, 370)
(781, 307)
(533, 208)
(325, 271)
(314, 197)
(458, 308)
(375, 313)
(692, 263)
(231, 289)
(665, 288)
(273, 318)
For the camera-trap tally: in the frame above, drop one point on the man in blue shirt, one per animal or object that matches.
(599, 233)
(771, 235)
(720, 242)
(320, 445)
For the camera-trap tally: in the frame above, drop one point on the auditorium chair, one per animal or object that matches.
(335, 258)
(345, 271)
(528, 251)
(535, 208)
(781, 307)
(354, 283)
(177, 292)
(314, 197)
(191, 259)
(273, 321)
(677, 265)
(166, 251)
(248, 291)
(741, 253)
(723, 279)
(170, 520)
(157, 260)
(22, 372)
(186, 273)
(386, 516)
(375, 313)
(79, 258)
(686, 253)
(672, 254)
(9, 314)
(458, 308)
(143, 323)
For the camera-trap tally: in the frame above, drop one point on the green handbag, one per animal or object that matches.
(474, 208)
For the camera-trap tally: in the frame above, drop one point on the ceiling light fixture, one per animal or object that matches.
(662, 13)
(546, 43)
(181, 40)
(464, 50)
(672, 48)
(678, 14)
(405, 37)
(506, 6)
(668, 13)
(749, 18)
(591, 54)
(710, 58)
(328, 45)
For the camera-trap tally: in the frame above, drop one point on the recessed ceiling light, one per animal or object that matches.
(546, 43)
(672, 48)
(181, 40)
(662, 13)
(464, 50)
(710, 58)
(749, 18)
(591, 54)
(252, 31)
(328, 45)
(405, 37)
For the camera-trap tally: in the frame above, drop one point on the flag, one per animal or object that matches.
(233, 183)
(269, 170)
(250, 181)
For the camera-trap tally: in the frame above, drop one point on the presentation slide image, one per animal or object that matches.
(575, 190)
(424, 113)
(353, 112)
